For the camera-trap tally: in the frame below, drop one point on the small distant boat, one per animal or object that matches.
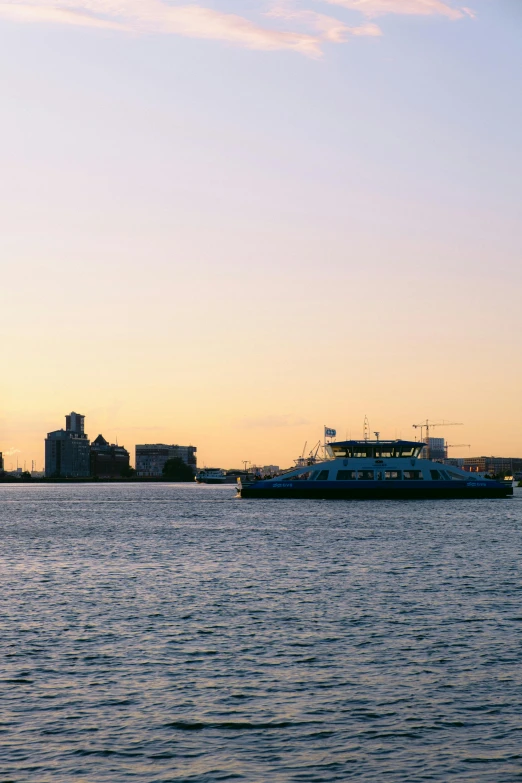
(374, 470)
(219, 476)
(211, 476)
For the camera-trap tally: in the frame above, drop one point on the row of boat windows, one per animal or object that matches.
(375, 452)
(377, 475)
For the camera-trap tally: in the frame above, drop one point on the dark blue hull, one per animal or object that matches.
(373, 490)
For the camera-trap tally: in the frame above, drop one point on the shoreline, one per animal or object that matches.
(93, 480)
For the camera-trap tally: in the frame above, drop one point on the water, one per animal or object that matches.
(173, 633)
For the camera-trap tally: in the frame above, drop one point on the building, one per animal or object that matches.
(435, 448)
(151, 457)
(1, 462)
(493, 465)
(67, 453)
(108, 460)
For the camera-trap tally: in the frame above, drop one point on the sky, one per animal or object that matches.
(229, 224)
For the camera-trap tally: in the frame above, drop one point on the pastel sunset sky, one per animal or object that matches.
(229, 223)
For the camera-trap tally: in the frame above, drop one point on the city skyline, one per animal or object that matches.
(13, 456)
(231, 231)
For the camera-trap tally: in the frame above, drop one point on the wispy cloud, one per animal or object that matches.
(329, 28)
(372, 8)
(288, 25)
(157, 16)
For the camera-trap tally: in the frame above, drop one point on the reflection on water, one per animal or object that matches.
(175, 633)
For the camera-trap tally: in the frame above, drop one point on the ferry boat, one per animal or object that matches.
(211, 476)
(218, 476)
(375, 469)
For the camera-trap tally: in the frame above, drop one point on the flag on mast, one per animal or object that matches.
(329, 432)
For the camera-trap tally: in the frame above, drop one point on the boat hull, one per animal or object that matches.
(362, 490)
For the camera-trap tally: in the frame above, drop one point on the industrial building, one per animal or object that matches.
(151, 457)
(108, 460)
(67, 453)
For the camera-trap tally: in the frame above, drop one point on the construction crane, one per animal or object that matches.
(312, 456)
(427, 425)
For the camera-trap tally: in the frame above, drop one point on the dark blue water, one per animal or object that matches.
(174, 633)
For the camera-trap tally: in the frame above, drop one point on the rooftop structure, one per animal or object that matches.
(74, 422)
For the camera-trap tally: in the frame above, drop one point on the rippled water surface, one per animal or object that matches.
(173, 633)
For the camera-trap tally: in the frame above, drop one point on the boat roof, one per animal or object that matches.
(380, 443)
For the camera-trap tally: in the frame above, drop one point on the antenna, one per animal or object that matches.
(366, 428)
(377, 435)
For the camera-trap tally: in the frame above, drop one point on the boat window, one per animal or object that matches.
(323, 475)
(384, 453)
(365, 475)
(403, 451)
(435, 474)
(412, 475)
(362, 451)
(444, 475)
(339, 451)
(457, 476)
(346, 475)
(301, 476)
(393, 475)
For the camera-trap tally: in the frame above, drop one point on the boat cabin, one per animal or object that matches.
(374, 449)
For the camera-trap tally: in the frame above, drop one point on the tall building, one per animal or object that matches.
(67, 453)
(1, 462)
(435, 448)
(151, 457)
(108, 460)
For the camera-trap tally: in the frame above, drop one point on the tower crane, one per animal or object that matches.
(427, 425)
